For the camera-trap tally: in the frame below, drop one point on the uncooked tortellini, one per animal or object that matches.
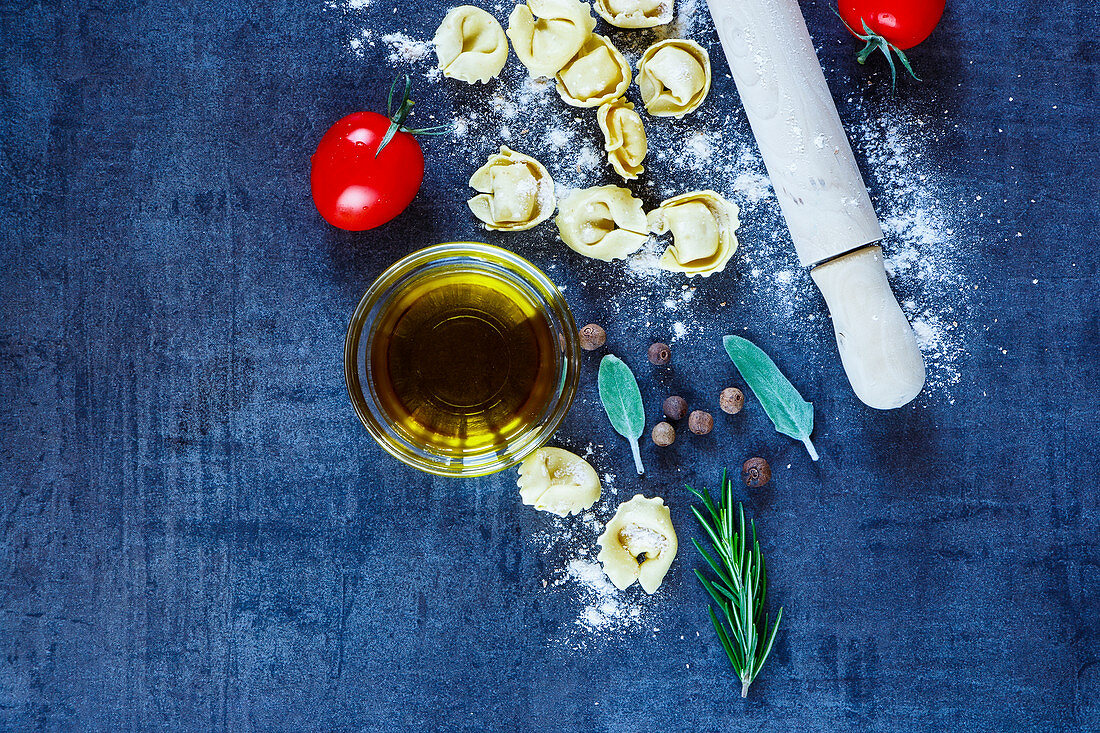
(556, 481)
(702, 225)
(516, 192)
(470, 45)
(597, 74)
(604, 222)
(640, 526)
(623, 137)
(547, 33)
(674, 77)
(635, 13)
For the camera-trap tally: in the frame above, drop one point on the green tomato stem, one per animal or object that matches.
(397, 119)
(877, 42)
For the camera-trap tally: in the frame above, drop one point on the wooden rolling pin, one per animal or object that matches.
(821, 193)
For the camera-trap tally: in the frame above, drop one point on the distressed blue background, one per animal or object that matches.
(198, 534)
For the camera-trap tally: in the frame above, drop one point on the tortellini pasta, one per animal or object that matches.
(515, 192)
(547, 33)
(674, 77)
(556, 481)
(597, 74)
(702, 225)
(470, 45)
(635, 13)
(623, 137)
(604, 222)
(640, 526)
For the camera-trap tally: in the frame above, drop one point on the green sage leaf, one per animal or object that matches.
(790, 414)
(622, 400)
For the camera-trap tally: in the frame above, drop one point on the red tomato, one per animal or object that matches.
(354, 188)
(903, 23)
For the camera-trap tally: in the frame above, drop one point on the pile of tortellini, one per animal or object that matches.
(555, 39)
(638, 544)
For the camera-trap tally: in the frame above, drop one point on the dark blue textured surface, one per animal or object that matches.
(196, 533)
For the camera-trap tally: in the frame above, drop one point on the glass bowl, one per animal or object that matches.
(373, 321)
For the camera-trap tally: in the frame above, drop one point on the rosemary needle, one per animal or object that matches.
(739, 586)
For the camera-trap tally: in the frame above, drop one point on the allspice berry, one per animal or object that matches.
(675, 408)
(663, 434)
(700, 422)
(756, 472)
(732, 400)
(592, 337)
(659, 354)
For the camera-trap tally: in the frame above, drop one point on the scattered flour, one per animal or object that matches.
(644, 264)
(559, 137)
(359, 41)
(603, 610)
(588, 159)
(752, 186)
(606, 608)
(507, 109)
(404, 48)
(924, 251)
(531, 91)
(701, 148)
(687, 14)
(348, 6)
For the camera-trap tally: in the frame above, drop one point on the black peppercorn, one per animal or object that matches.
(700, 422)
(756, 472)
(663, 434)
(731, 400)
(659, 354)
(675, 407)
(592, 337)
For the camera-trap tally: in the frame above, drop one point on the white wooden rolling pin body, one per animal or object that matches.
(821, 192)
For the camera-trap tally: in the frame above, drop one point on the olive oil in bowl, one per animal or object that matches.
(462, 359)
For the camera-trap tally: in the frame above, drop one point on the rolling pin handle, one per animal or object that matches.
(877, 345)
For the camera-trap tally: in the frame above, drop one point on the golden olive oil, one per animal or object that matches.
(463, 361)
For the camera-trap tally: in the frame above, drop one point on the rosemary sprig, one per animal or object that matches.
(738, 590)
